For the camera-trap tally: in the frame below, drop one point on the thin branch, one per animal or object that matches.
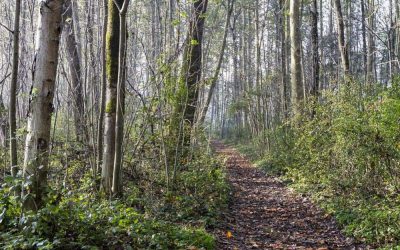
(5, 78)
(8, 29)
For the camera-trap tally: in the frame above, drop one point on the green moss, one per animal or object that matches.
(112, 43)
(108, 57)
(110, 106)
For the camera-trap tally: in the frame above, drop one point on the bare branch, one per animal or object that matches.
(8, 29)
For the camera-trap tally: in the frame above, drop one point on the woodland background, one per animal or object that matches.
(308, 89)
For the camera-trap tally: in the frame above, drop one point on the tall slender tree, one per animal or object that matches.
(41, 102)
(112, 66)
(117, 186)
(192, 62)
(283, 59)
(296, 69)
(13, 90)
(341, 39)
(371, 42)
(315, 48)
(364, 39)
(100, 128)
(215, 78)
(75, 70)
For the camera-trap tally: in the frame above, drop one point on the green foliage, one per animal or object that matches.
(202, 193)
(194, 42)
(344, 151)
(148, 217)
(80, 222)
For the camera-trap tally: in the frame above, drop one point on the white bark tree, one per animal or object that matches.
(41, 102)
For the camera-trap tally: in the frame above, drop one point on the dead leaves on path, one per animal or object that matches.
(264, 214)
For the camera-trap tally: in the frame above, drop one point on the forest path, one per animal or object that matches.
(264, 214)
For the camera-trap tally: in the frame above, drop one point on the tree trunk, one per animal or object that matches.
(100, 129)
(296, 72)
(364, 38)
(397, 34)
(192, 61)
(371, 42)
(112, 60)
(74, 64)
(117, 186)
(315, 49)
(214, 80)
(283, 61)
(341, 39)
(185, 109)
(3, 123)
(41, 102)
(13, 91)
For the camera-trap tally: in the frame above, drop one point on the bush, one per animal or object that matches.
(143, 219)
(345, 152)
(79, 223)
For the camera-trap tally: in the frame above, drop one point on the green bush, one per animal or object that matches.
(345, 152)
(85, 219)
(79, 223)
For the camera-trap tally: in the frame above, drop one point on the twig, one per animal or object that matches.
(8, 29)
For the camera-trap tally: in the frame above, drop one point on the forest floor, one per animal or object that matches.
(265, 214)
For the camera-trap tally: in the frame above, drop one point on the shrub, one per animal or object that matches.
(345, 152)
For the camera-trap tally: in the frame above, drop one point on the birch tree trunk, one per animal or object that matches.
(3, 123)
(100, 129)
(41, 102)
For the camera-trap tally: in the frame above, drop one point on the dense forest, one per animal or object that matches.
(200, 124)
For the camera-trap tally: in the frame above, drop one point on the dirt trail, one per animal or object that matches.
(264, 214)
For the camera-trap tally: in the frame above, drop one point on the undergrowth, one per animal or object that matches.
(147, 217)
(344, 152)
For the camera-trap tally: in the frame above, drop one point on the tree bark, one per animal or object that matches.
(364, 38)
(117, 186)
(192, 61)
(41, 102)
(214, 80)
(315, 49)
(283, 61)
(13, 91)
(100, 129)
(112, 60)
(296, 72)
(371, 42)
(341, 39)
(75, 70)
(3, 123)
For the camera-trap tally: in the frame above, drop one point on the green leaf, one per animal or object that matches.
(194, 42)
